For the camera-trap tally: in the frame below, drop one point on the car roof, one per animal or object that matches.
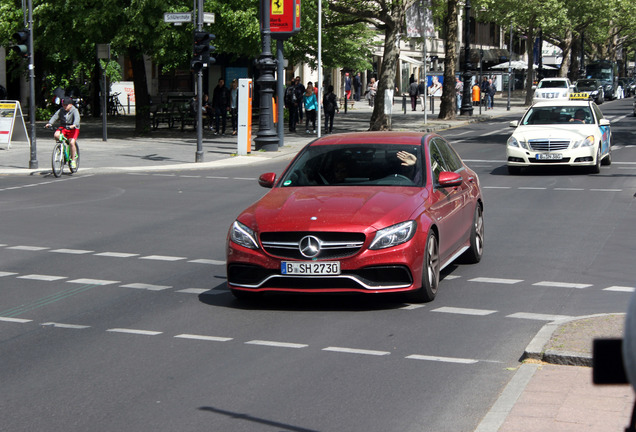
(581, 102)
(555, 79)
(380, 137)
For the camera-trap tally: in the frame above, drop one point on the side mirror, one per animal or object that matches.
(514, 123)
(604, 122)
(534, 87)
(267, 180)
(449, 179)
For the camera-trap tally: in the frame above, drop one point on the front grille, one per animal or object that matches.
(333, 245)
(549, 145)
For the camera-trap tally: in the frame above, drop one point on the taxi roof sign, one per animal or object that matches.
(579, 96)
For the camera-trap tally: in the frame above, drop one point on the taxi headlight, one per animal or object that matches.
(393, 235)
(243, 235)
(586, 142)
(514, 142)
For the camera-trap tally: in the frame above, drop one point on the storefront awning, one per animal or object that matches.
(408, 59)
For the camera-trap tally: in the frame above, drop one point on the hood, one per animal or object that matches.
(565, 132)
(348, 208)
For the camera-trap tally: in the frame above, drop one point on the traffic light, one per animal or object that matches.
(202, 49)
(21, 38)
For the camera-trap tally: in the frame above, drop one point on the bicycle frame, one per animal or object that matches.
(62, 155)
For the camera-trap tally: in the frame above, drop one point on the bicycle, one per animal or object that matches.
(62, 155)
(114, 106)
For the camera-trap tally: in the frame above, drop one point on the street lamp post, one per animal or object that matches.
(266, 137)
(467, 106)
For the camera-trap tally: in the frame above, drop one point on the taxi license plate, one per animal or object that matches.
(310, 268)
(549, 156)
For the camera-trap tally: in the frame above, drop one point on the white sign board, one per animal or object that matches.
(208, 17)
(177, 17)
(9, 112)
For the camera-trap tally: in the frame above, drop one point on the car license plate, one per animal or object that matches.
(310, 268)
(549, 156)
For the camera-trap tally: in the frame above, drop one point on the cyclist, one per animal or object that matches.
(69, 118)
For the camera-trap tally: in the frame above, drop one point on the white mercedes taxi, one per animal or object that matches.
(571, 132)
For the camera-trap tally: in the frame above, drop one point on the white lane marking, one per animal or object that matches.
(194, 291)
(496, 187)
(28, 248)
(569, 189)
(133, 331)
(498, 131)
(190, 176)
(3, 245)
(207, 261)
(538, 317)
(620, 289)
(276, 344)
(15, 320)
(2, 274)
(217, 177)
(245, 178)
(93, 281)
(162, 258)
(116, 254)
(532, 188)
(442, 359)
(451, 277)
(413, 306)
(66, 326)
(204, 338)
(165, 175)
(356, 351)
(40, 277)
(561, 284)
(148, 287)
(464, 311)
(606, 190)
(495, 280)
(72, 251)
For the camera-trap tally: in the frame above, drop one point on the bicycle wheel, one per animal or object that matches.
(77, 159)
(57, 160)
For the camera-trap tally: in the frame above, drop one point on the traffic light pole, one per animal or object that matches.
(33, 162)
(199, 153)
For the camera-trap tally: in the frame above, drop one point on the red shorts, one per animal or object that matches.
(70, 133)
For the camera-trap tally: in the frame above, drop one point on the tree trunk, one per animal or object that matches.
(447, 109)
(379, 119)
(142, 97)
(566, 47)
(530, 71)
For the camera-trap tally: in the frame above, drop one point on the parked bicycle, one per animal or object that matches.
(62, 155)
(114, 106)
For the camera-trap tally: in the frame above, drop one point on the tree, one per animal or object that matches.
(447, 105)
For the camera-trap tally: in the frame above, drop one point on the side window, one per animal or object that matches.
(437, 161)
(452, 162)
(597, 112)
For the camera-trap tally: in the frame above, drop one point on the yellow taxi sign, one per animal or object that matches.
(579, 96)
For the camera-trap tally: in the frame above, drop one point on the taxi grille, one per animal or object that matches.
(549, 145)
(333, 245)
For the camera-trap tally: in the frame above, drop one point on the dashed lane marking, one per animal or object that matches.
(116, 254)
(15, 320)
(207, 261)
(356, 351)
(620, 289)
(538, 317)
(148, 287)
(276, 344)
(562, 284)
(48, 278)
(65, 326)
(442, 359)
(162, 258)
(413, 306)
(28, 248)
(86, 281)
(2, 274)
(495, 280)
(196, 291)
(134, 331)
(204, 338)
(72, 251)
(464, 311)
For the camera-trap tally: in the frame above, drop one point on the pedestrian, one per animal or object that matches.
(300, 91)
(459, 92)
(311, 104)
(348, 85)
(484, 91)
(476, 94)
(234, 105)
(421, 91)
(413, 92)
(291, 103)
(372, 89)
(492, 90)
(330, 104)
(357, 87)
(206, 109)
(221, 105)
(411, 79)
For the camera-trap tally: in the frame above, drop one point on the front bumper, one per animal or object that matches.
(584, 156)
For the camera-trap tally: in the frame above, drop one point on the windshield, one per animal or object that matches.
(553, 84)
(558, 115)
(587, 85)
(598, 72)
(360, 165)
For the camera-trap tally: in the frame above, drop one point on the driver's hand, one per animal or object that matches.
(48, 125)
(408, 159)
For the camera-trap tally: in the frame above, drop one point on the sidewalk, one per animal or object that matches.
(171, 149)
(551, 391)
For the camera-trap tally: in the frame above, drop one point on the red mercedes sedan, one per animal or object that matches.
(369, 212)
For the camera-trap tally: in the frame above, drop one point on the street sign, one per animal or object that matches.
(177, 17)
(208, 17)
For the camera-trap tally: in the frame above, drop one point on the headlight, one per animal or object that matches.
(242, 235)
(514, 142)
(393, 235)
(586, 142)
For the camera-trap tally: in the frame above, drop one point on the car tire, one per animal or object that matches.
(607, 160)
(430, 272)
(476, 249)
(597, 166)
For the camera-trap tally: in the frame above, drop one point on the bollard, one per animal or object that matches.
(432, 104)
(404, 103)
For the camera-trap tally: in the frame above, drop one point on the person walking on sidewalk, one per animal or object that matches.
(492, 90)
(300, 92)
(221, 105)
(357, 87)
(330, 104)
(69, 118)
(234, 105)
(421, 91)
(372, 89)
(291, 103)
(413, 92)
(311, 105)
(459, 92)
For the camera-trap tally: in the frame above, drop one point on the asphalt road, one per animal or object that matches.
(114, 313)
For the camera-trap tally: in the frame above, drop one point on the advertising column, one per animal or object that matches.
(244, 116)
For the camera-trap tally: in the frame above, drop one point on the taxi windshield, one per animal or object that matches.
(576, 114)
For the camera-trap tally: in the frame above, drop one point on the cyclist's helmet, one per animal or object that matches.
(67, 100)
